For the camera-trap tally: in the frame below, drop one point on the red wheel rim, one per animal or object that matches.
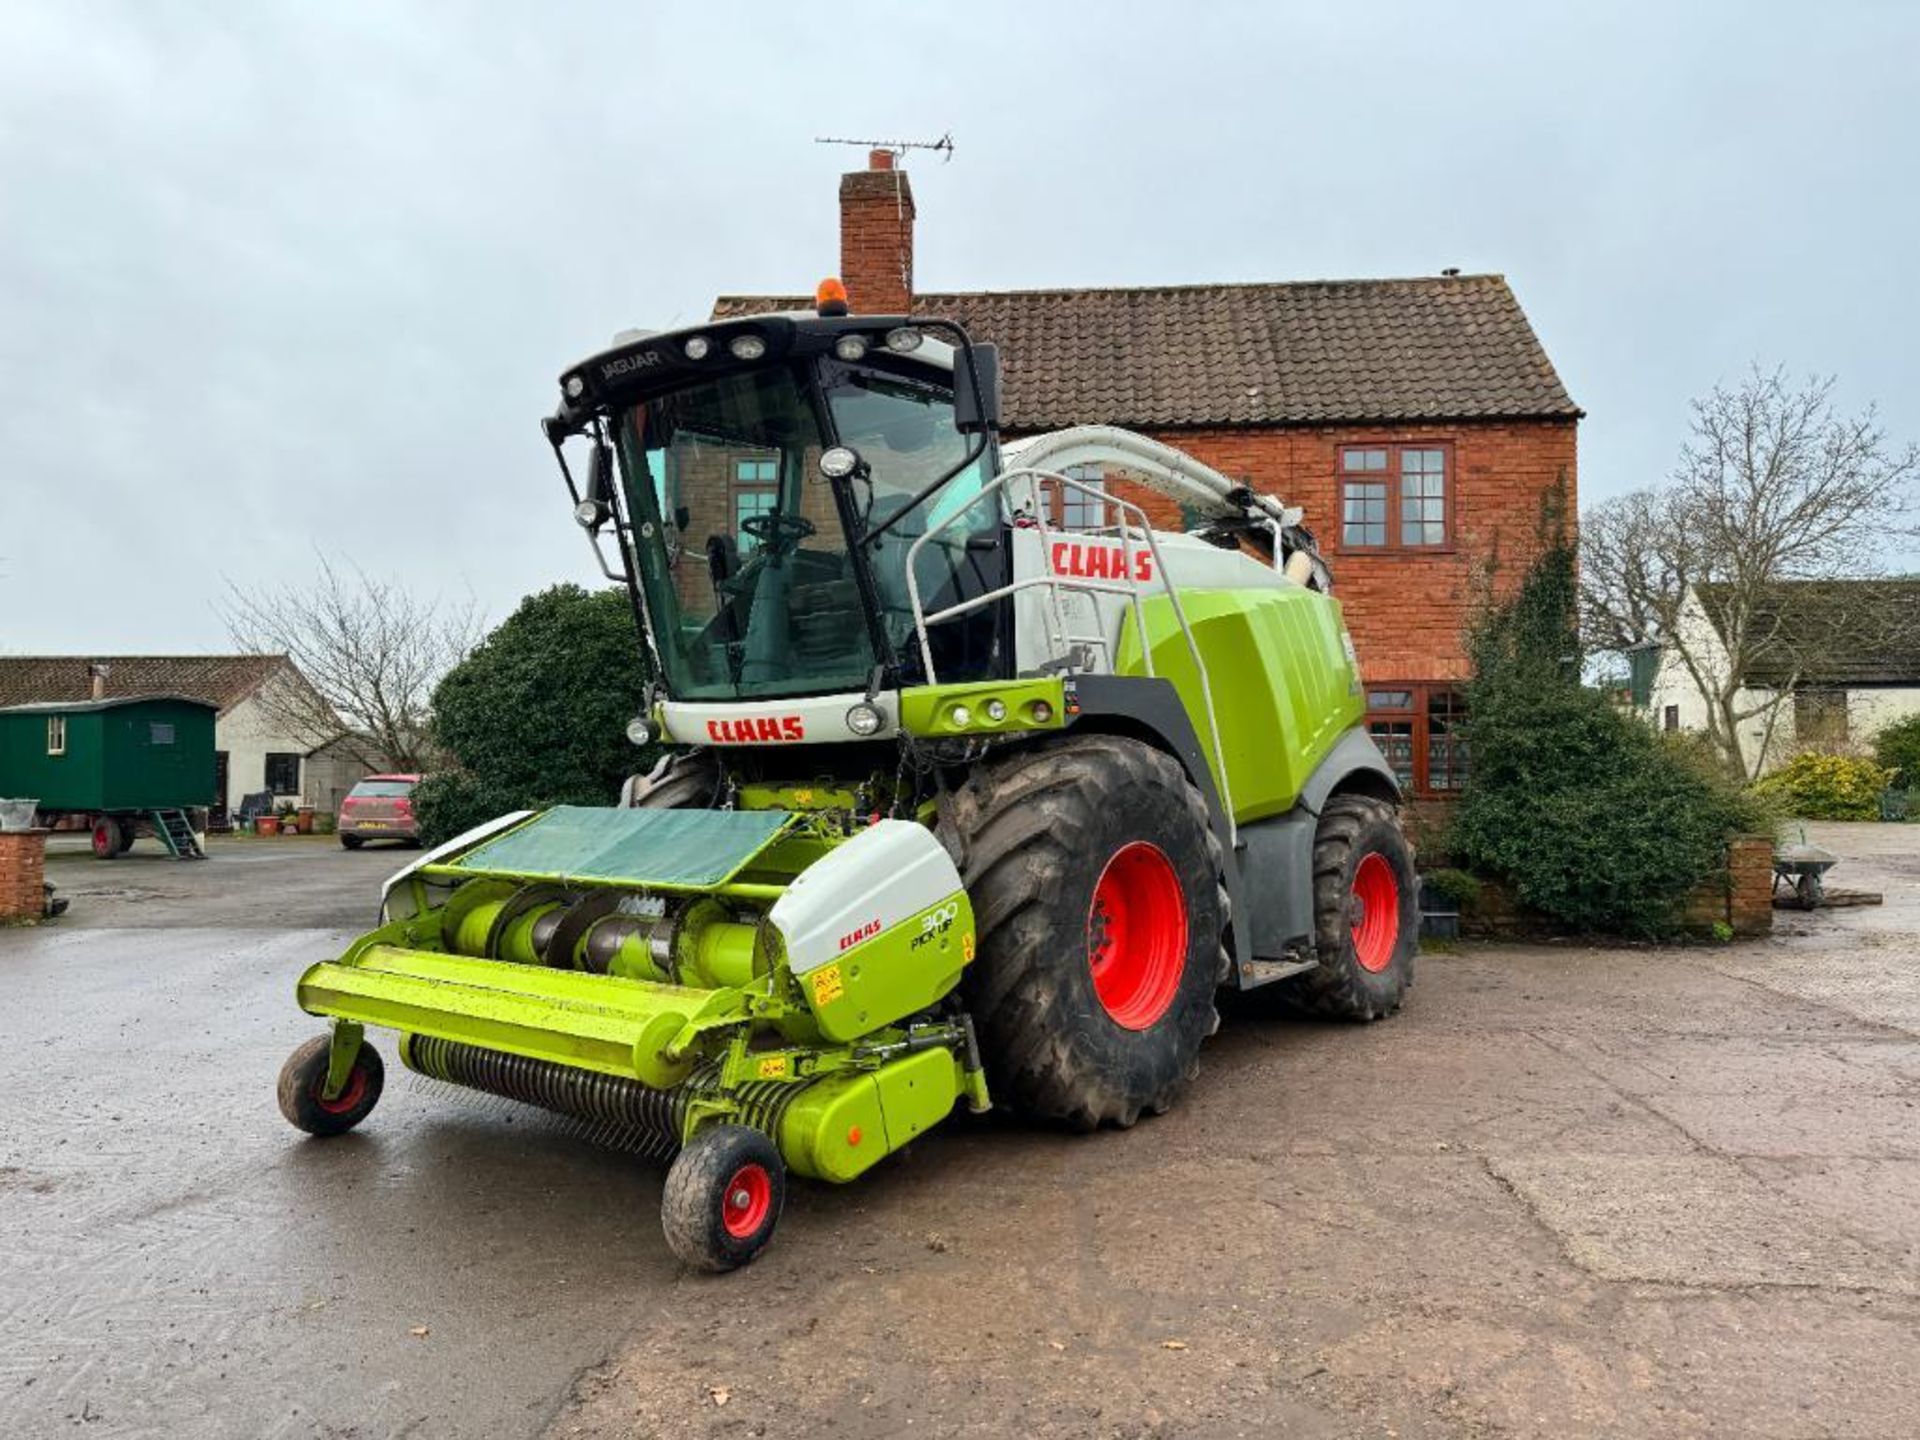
(350, 1096)
(1374, 912)
(746, 1200)
(1137, 935)
(103, 838)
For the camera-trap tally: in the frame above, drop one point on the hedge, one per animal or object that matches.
(1818, 786)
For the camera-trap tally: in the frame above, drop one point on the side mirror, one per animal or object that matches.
(977, 409)
(600, 474)
(597, 503)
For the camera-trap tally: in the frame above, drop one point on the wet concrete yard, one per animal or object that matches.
(1569, 1191)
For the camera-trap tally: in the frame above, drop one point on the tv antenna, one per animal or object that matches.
(944, 145)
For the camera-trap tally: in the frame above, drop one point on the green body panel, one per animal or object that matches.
(835, 1129)
(928, 709)
(597, 1022)
(112, 760)
(917, 1093)
(842, 1125)
(795, 797)
(1284, 687)
(898, 972)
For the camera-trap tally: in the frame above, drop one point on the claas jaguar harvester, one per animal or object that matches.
(974, 783)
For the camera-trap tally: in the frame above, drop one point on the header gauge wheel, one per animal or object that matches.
(302, 1089)
(723, 1197)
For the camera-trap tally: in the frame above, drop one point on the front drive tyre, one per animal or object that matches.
(688, 782)
(1366, 913)
(1095, 882)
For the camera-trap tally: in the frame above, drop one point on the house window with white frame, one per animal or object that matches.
(56, 734)
(1077, 507)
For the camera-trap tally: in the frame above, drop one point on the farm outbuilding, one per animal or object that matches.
(122, 763)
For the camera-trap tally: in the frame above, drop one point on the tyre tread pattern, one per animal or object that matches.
(1016, 830)
(1339, 988)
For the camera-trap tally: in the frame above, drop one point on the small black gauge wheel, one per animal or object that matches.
(723, 1197)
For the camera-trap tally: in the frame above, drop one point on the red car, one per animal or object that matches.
(380, 807)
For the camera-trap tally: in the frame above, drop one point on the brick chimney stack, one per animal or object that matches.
(876, 237)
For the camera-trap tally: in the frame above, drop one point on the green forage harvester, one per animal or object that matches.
(976, 784)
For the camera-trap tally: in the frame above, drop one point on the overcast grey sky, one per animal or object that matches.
(275, 276)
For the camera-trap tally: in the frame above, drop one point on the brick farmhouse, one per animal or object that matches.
(1418, 422)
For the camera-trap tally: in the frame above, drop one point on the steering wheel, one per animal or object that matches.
(777, 532)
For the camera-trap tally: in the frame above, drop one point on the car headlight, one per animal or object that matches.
(961, 716)
(865, 719)
(995, 710)
(639, 732)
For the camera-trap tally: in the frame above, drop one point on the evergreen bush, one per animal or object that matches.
(1897, 748)
(537, 714)
(1589, 815)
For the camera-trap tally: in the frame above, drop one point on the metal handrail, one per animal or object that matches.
(1054, 584)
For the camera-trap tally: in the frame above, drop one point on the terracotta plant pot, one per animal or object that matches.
(267, 825)
(303, 820)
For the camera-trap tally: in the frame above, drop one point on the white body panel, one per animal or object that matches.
(1192, 564)
(800, 720)
(887, 873)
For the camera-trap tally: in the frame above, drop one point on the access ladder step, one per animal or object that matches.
(176, 833)
(1255, 973)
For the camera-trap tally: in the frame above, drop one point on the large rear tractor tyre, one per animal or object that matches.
(723, 1198)
(1366, 913)
(1095, 882)
(303, 1080)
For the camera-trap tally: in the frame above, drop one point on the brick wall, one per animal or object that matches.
(876, 237)
(1406, 608)
(1742, 896)
(23, 856)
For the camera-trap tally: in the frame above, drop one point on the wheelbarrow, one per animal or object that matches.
(1799, 869)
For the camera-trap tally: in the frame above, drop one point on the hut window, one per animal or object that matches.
(159, 732)
(56, 734)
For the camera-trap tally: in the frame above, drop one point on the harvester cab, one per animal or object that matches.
(973, 781)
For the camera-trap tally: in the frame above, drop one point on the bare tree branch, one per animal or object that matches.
(1773, 486)
(370, 651)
